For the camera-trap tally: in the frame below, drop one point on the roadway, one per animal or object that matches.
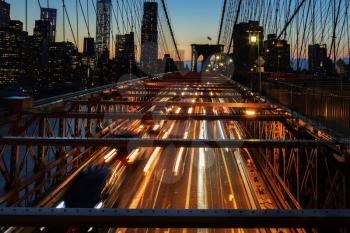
(170, 178)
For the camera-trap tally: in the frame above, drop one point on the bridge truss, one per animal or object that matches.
(45, 147)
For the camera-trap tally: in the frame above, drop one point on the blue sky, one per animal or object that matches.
(193, 20)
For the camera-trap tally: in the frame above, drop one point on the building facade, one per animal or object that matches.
(103, 28)
(319, 62)
(125, 52)
(277, 54)
(63, 64)
(149, 37)
(88, 61)
(50, 14)
(39, 48)
(13, 54)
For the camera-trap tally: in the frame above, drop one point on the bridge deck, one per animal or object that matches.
(202, 143)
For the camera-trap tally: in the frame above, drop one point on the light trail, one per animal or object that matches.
(61, 205)
(110, 155)
(151, 160)
(157, 193)
(178, 110)
(179, 157)
(133, 156)
(190, 110)
(201, 179)
(221, 131)
(148, 170)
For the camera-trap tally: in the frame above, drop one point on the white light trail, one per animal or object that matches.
(157, 151)
(201, 182)
(133, 156)
(98, 205)
(110, 155)
(61, 205)
(179, 157)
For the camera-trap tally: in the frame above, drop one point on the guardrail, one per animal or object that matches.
(326, 109)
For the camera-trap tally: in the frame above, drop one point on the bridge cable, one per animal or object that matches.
(171, 30)
(69, 22)
(85, 20)
(235, 22)
(222, 20)
(291, 19)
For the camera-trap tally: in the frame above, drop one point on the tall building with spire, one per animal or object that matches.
(149, 37)
(103, 28)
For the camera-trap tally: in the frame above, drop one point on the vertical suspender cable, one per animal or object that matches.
(64, 21)
(26, 15)
(77, 15)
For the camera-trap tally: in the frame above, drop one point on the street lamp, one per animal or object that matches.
(255, 40)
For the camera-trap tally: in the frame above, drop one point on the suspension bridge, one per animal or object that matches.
(255, 139)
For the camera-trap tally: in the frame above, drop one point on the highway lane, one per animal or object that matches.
(202, 178)
(210, 178)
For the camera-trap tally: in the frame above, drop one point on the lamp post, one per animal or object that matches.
(255, 40)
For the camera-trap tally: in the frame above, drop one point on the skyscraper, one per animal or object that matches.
(13, 55)
(50, 15)
(319, 62)
(125, 46)
(125, 51)
(88, 61)
(39, 43)
(41, 40)
(4, 14)
(277, 54)
(248, 45)
(89, 47)
(62, 65)
(103, 28)
(149, 37)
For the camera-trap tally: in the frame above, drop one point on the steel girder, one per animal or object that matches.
(155, 142)
(157, 116)
(178, 104)
(175, 218)
(306, 176)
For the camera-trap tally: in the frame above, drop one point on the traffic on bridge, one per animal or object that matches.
(175, 141)
(127, 116)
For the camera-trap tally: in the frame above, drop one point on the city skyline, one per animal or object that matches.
(104, 128)
(187, 18)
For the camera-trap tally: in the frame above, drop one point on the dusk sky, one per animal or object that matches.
(193, 20)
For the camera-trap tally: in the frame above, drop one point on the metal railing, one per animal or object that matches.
(326, 106)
